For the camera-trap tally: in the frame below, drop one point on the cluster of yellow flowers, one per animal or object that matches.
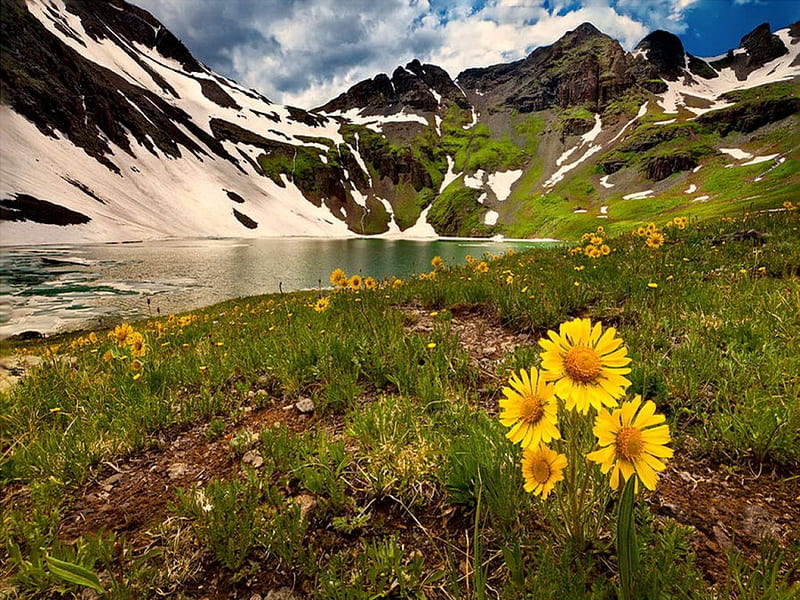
(679, 222)
(595, 244)
(789, 206)
(128, 343)
(340, 280)
(126, 337)
(583, 368)
(653, 236)
(83, 341)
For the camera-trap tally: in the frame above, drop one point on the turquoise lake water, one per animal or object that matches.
(60, 288)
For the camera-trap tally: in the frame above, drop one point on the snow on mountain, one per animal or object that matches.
(685, 91)
(156, 195)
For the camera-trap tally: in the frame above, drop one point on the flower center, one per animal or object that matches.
(541, 471)
(532, 409)
(582, 364)
(629, 443)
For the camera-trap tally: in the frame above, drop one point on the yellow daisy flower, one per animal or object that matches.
(530, 409)
(632, 440)
(371, 283)
(542, 468)
(322, 304)
(355, 282)
(483, 267)
(655, 239)
(121, 333)
(586, 363)
(338, 278)
(437, 262)
(136, 342)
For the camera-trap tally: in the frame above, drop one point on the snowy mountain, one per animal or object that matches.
(111, 130)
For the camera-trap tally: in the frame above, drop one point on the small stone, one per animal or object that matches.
(283, 593)
(253, 458)
(722, 539)
(758, 524)
(307, 504)
(262, 393)
(177, 470)
(305, 405)
(670, 510)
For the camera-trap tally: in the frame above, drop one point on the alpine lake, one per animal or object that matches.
(58, 288)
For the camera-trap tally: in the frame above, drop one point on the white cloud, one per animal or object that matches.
(306, 52)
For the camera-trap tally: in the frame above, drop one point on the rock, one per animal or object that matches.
(307, 504)
(758, 524)
(305, 405)
(722, 539)
(14, 368)
(762, 46)
(253, 458)
(661, 167)
(283, 593)
(176, 470)
(665, 51)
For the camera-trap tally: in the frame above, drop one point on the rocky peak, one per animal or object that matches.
(584, 67)
(665, 51)
(416, 87)
(762, 46)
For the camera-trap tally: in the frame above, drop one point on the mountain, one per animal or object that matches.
(112, 130)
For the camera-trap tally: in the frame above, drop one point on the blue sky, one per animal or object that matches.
(305, 52)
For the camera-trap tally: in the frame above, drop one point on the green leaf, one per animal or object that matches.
(627, 550)
(74, 574)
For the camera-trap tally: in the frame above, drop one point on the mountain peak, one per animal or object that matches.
(664, 50)
(762, 46)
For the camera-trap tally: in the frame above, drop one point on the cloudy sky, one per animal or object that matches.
(306, 52)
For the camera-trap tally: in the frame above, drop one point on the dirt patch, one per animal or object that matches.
(136, 492)
(729, 508)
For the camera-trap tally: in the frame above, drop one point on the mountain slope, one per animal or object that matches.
(113, 131)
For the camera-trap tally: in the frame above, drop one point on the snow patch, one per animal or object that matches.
(667, 122)
(759, 159)
(639, 195)
(691, 189)
(475, 181)
(450, 176)
(736, 153)
(604, 181)
(604, 210)
(490, 218)
(500, 183)
(701, 199)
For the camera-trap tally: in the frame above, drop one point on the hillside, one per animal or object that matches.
(113, 131)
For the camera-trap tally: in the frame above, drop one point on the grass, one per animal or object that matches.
(402, 484)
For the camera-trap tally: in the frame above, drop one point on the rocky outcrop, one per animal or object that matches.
(762, 46)
(24, 207)
(414, 88)
(749, 115)
(661, 167)
(664, 51)
(585, 67)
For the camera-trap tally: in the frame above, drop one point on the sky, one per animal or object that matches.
(306, 52)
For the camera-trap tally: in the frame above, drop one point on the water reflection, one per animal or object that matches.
(57, 288)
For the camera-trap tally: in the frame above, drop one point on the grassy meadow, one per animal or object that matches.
(345, 442)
